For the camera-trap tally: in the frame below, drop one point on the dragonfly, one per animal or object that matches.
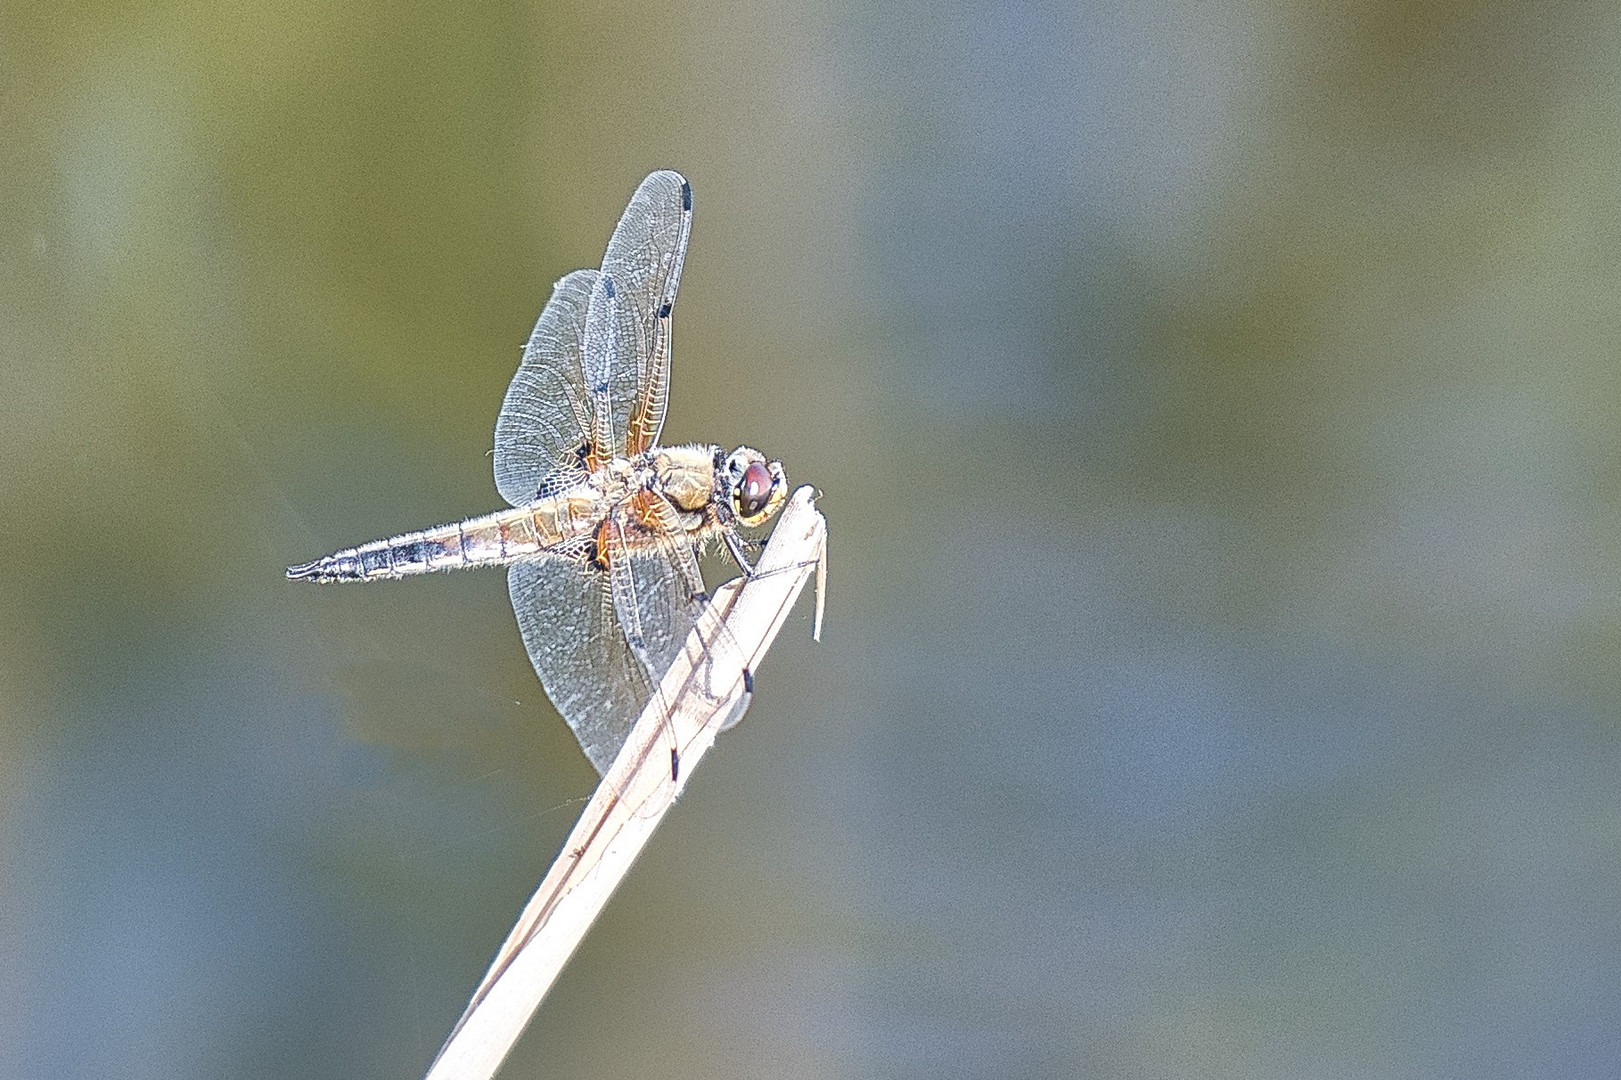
(605, 527)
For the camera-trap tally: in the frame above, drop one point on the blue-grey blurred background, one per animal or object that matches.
(1218, 413)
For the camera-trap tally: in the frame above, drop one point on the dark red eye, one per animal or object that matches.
(754, 490)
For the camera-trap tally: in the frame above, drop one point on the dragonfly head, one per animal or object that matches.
(754, 487)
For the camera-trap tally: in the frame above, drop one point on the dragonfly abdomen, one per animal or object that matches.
(551, 526)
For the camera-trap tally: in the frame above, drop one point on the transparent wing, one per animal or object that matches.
(574, 641)
(546, 417)
(627, 328)
(574, 626)
(656, 610)
(593, 384)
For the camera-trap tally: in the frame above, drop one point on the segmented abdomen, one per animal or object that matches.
(562, 525)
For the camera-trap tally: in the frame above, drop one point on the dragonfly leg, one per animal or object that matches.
(738, 547)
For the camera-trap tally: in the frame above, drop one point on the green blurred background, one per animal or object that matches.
(1216, 409)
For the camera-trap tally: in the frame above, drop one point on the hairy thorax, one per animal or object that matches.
(685, 475)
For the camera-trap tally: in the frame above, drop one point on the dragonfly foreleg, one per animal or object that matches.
(739, 550)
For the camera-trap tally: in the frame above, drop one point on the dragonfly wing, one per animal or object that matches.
(656, 601)
(601, 642)
(627, 329)
(575, 642)
(593, 385)
(546, 418)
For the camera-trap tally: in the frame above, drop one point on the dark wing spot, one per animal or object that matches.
(664, 312)
(578, 550)
(675, 765)
(686, 195)
(748, 681)
(608, 285)
(564, 478)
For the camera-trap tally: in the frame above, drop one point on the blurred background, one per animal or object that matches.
(1216, 410)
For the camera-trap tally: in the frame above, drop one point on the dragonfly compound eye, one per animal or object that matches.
(753, 491)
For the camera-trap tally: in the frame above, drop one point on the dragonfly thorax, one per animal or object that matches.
(686, 475)
(726, 489)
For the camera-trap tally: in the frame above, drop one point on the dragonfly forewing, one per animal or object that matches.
(546, 415)
(643, 260)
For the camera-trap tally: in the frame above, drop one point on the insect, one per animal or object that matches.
(606, 526)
